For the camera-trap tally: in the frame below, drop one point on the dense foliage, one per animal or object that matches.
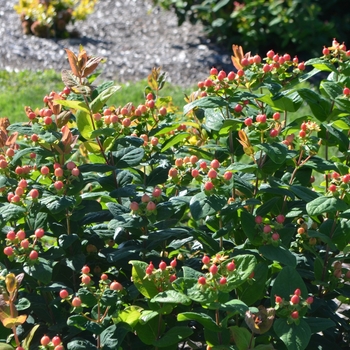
(295, 26)
(223, 226)
(49, 18)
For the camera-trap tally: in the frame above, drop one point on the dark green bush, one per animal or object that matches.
(296, 26)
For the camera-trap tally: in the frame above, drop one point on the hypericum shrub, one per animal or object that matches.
(296, 26)
(225, 226)
(49, 18)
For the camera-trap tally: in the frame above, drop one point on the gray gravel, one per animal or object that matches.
(133, 35)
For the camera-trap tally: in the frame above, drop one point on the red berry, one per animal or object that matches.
(294, 315)
(25, 244)
(200, 84)
(212, 174)
(332, 188)
(346, 178)
(302, 133)
(258, 219)
(85, 269)
(257, 59)
(151, 206)
(116, 286)
(276, 116)
(63, 294)
(8, 251)
(21, 235)
(86, 279)
(297, 292)
(267, 229)
(215, 164)
(172, 278)
(228, 175)
(301, 66)
(75, 172)
(70, 165)
(295, 299)
(213, 269)
(149, 96)
(278, 299)
(248, 121)
(275, 236)
(231, 76)
(126, 122)
(203, 165)
(33, 255)
(223, 280)
(346, 91)
(238, 108)
(45, 340)
(270, 54)
(134, 206)
(221, 75)
(44, 170)
(202, 280)
(194, 173)
(76, 302)
(58, 185)
(208, 186)
(273, 133)
(162, 265)
(206, 259)
(280, 218)
(325, 50)
(231, 266)
(56, 340)
(213, 71)
(173, 172)
(34, 193)
(11, 235)
(208, 83)
(309, 300)
(244, 62)
(173, 263)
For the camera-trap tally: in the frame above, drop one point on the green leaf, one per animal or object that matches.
(103, 97)
(81, 345)
(113, 336)
(41, 271)
(229, 125)
(280, 254)
(12, 212)
(318, 324)
(4, 346)
(241, 336)
(235, 306)
(157, 176)
(128, 157)
(81, 322)
(146, 287)
(57, 204)
(202, 205)
(85, 124)
(171, 296)
(320, 107)
(321, 65)
(205, 320)
(331, 89)
(276, 151)
(87, 297)
(28, 339)
(174, 140)
(295, 337)
(287, 281)
(76, 105)
(324, 204)
(206, 102)
(288, 100)
(249, 228)
(175, 335)
(130, 315)
(148, 332)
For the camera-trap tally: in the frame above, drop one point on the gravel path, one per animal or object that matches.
(133, 35)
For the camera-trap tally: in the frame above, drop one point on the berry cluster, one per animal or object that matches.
(23, 248)
(48, 343)
(268, 228)
(338, 184)
(148, 204)
(220, 270)
(295, 307)
(162, 277)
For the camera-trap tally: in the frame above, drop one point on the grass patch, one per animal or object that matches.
(27, 88)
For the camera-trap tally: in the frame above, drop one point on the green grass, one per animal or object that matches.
(26, 88)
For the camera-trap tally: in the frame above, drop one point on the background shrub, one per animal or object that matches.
(296, 26)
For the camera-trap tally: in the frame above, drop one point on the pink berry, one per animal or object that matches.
(295, 299)
(208, 83)
(151, 206)
(213, 269)
(195, 173)
(208, 186)
(270, 54)
(325, 50)
(228, 175)
(257, 59)
(346, 178)
(58, 185)
(163, 111)
(346, 91)
(276, 116)
(63, 294)
(86, 279)
(85, 269)
(45, 340)
(278, 299)
(267, 229)
(301, 66)
(75, 172)
(34, 193)
(275, 236)
(202, 280)
(162, 265)
(213, 71)
(56, 340)
(25, 244)
(302, 133)
(215, 164)
(44, 170)
(248, 121)
(76, 302)
(280, 218)
(212, 174)
(173, 172)
(332, 188)
(21, 235)
(173, 263)
(231, 76)
(273, 133)
(116, 286)
(206, 259)
(297, 292)
(258, 219)
(223, 280)
(309, 300)
(11, 235)
(70, 165)
(33, 255)
(203, 165)
(231, 266)
(238, 108)
(8, 251)
(294, 315)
